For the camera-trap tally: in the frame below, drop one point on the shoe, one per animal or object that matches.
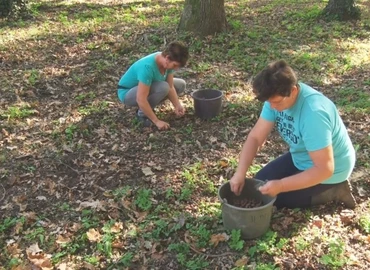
(144, 121)
(339, 193)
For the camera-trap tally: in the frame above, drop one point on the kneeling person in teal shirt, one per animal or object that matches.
(150, 80)
(321, 156)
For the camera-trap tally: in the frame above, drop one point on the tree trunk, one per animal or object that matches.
(342, 10)
(12, 7)
(203, 17)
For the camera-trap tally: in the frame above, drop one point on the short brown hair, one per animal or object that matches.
(177, 51)
(278, 78)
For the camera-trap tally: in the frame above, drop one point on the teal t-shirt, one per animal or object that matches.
(145, 70)
(311, 124)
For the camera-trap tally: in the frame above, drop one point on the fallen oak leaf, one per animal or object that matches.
(241, 262)
(34, 248)
(117, 227)
(188, 239)
(118, 244)
(216, 238)
(62, 239)
(97, 205)
(13, 249)
(147, 171)
(88, 266)
(139, 216)
(38, 257)
(157, 251)
(75, 227)
(223, 163)
(212, 139)
(93, 235)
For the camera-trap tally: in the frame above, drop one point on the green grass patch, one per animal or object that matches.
(18, 112)
(353, 100)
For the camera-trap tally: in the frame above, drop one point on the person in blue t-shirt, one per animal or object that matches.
(321, 156)
(150, 80)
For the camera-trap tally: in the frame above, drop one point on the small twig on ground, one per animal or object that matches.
(69, 166)
(4, 192)
(213, 255)
(99, 187)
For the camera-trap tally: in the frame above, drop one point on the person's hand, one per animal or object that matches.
(179, 110)
(162, 125)
(237, 183)
(271, 188)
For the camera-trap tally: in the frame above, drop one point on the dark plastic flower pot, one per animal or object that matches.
(253, 222)
(207, 103)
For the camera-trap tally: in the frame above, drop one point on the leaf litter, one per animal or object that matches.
(65, 166)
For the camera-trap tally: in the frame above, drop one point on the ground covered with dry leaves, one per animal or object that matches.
(82, 186)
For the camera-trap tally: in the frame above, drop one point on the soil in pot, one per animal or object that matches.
(246, 202)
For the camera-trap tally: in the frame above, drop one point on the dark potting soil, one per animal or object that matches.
(246, 203)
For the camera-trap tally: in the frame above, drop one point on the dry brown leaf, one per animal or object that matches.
(217, 238)
(67, 148)
(22, 267)
(19, 199)
(353, 260)
(75, 227)
(140, 216)
(33, 249)
(147, 171)
(115, 147)
(39, 258)
(177, 139)
(117, 227)
(97, 205)
(118, 244)
(18, 227)
(51, 187)
(126, 204)
(62, 239)
(108, 194)
(223, 163)
(93, 235)
(212, 139)
(286, 222)
(88, 164)
(157, 251)
(241, 262)
(13, 249)
(30, 217)
(151, 163)
(367, 255)
(347, 216)
(188, 238)
(89, 266)
(318, 223)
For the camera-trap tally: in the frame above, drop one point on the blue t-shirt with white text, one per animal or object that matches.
(311, 124)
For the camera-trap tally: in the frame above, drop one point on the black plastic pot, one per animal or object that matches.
(207, 103)
(252, 222)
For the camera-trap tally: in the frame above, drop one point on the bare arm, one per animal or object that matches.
(322, 169)
(255, 140)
